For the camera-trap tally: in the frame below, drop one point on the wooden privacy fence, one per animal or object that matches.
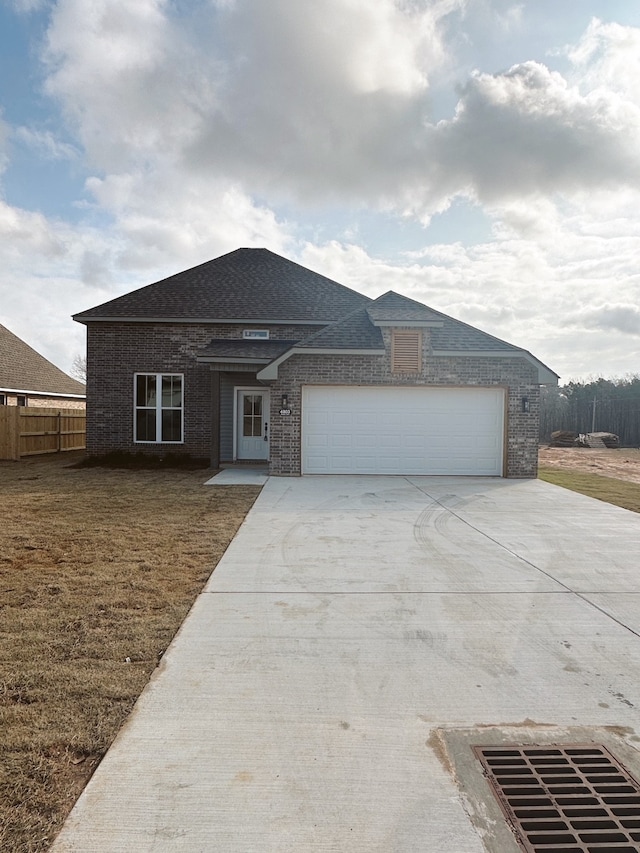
(28, 431)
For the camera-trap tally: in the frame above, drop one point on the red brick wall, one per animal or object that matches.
(516, 375)
(115, 351)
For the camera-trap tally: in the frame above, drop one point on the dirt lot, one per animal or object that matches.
(623, 464)
(98, 569)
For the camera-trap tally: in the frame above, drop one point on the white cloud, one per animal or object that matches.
(24, 233)
(160, 220)
(610, 318)
(329, 103)
(308, 129)
(197, 122)
(527, 132)
(129, 81)
(44, 144)
(608, 55)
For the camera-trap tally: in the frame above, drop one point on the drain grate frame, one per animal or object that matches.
(564, 798)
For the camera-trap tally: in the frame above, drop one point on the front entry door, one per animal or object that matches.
(253, 425)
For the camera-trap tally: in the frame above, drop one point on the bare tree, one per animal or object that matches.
(605, 405)
(79, 368)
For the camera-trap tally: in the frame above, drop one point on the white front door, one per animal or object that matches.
(252, 431)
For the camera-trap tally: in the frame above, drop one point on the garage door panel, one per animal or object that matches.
(318, 439)
(318, 418)
(394, 430)
(340, 419)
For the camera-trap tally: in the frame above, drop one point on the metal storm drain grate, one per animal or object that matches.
(565, 799)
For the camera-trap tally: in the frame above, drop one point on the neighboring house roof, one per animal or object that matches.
(247, 285)
(23, 370)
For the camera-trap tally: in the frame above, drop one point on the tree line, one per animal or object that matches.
(601, 405)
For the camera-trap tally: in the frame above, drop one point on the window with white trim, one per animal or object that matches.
(158, 408)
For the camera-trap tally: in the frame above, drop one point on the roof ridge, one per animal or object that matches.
(243, 285)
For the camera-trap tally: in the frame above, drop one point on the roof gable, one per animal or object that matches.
(24, 369)
(392, 309)
(355, 331)
(360, 332)
(246, 285)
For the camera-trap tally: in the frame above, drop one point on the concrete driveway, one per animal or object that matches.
(357, 635)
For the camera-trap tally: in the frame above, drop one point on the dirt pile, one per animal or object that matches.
(623, 464)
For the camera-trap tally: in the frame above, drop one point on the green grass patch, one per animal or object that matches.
(616, 492)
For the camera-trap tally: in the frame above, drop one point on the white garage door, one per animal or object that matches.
(392, 430)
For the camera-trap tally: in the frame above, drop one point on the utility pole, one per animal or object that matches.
(593, 416)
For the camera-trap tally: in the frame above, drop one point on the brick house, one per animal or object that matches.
(29, 379)
(253, 357)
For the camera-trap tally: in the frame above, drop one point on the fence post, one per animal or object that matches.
(12, 432)
(59, 431)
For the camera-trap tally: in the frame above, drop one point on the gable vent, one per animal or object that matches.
(575, 798)
(406, 351)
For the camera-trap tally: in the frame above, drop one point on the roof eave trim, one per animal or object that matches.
(200, 320)
(5, 390)
(271, 370)
(546, 376)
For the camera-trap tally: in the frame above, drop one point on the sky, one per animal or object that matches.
(480, 156)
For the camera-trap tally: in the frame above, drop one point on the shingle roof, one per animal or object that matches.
(456, 336)
(360, 331)
(447, 334)
(23, 369)
(393, 308)
(232, 349)
(247, 284)
(355, 331)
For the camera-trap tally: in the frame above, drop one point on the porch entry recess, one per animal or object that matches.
(252, 424)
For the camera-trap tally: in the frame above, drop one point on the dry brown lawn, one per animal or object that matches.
(98, 568)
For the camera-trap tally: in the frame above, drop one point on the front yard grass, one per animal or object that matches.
(617, 492)
(98, 569)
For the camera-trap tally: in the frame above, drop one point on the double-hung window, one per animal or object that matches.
(158, 407)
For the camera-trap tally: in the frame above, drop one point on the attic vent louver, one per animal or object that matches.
(406, 347)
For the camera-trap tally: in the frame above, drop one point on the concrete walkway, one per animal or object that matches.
(355, 627)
